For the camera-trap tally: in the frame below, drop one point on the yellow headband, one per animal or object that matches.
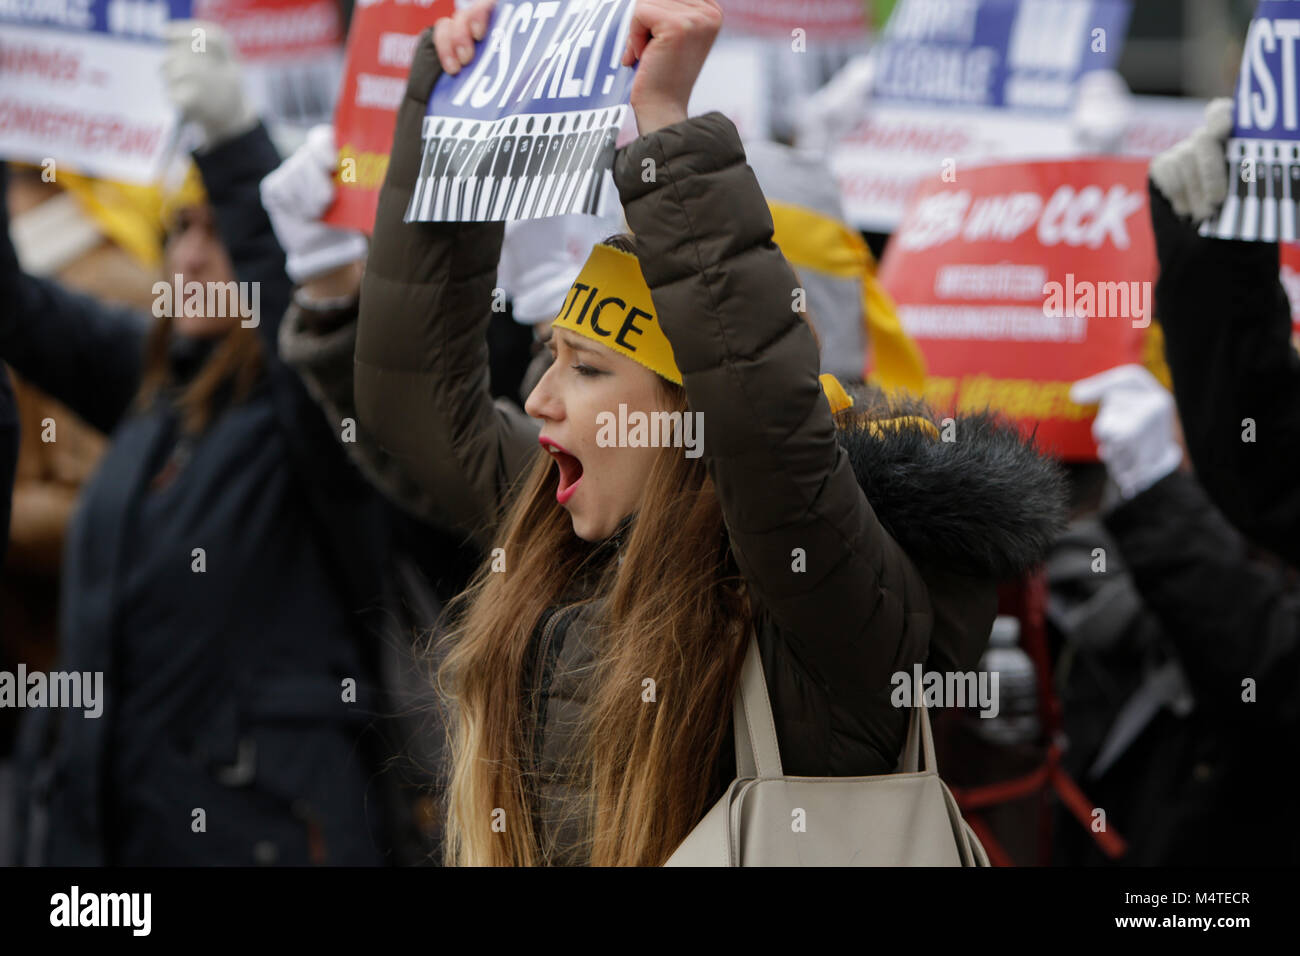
(610, 303)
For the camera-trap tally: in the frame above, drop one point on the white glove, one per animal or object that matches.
(1103, 110)
(1193, 175)
(827, 115)
(1134, 428)
(295, 195)
(540, 258)
(205, 84)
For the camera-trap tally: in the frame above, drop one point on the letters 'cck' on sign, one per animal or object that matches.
(528, 129)
(1263, 203)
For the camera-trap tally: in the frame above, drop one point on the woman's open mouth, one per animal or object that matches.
(570, 469)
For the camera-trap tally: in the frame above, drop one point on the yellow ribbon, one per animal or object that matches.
(839, 400)
(133, 216)
(811, 240)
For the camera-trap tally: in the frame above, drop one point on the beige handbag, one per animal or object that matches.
(907, 818)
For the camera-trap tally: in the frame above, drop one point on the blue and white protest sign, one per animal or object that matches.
(81, 83)
(956, 83)
(1263, 155)
(528, 129)
(1026, 54)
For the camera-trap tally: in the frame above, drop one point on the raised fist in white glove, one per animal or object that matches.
(204, 82)
(295, 196)
(1193, 175)
(831, 112)
(1103, 110)
(1135, 428)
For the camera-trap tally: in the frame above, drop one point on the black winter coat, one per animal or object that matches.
(1227, 328)
(1198, 786)
(224, 686)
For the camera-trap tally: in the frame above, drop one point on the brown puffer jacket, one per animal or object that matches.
(978, 508)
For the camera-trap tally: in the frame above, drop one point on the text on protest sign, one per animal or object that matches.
(381, 44)
(963, 82)
(1289, 274)
(80, 83)
(1263, 155)
(819, 19)
(1013, 53)
(1023, 279)
(527, 130)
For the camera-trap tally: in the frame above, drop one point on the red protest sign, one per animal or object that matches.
(1018, 280)
(1289, 273)
(381, 42)
(834, 19)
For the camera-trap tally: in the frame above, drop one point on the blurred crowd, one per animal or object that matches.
(195, 506)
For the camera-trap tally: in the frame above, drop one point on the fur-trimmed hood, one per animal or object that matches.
(982, 499)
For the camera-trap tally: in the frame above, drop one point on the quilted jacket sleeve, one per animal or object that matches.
(422, 362)
(841, 591)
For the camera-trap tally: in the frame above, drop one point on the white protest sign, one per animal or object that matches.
(528, 129)
(958, 83)
(81, 83)
(1264, 151)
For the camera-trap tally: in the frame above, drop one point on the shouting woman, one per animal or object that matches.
(592, 670)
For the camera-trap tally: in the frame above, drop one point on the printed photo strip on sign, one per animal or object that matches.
(1263, 155)
(528, 129)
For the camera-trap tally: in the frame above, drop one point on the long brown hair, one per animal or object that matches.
(236, 359)
(673, 611)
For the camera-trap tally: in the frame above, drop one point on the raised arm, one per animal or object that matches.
(1227, 327)
(86, 354)
(1231, 617)
(421, 360)
(750, 366)
(232, 172)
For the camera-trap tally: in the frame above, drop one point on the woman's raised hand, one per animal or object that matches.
(454, 37)
(670, 39)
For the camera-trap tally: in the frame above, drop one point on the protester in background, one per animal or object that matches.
(628, 562)
(424, 567)
(1201, 636)
(217, 565)
(101, 239)
(1227, 325)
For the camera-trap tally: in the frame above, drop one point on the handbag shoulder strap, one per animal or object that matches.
(757, 751)
(919, 742)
